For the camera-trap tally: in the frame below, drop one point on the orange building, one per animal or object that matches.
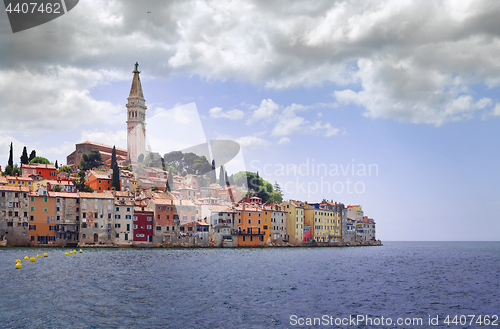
(39, 169)
(99, 181)
(250, 226)
(42, 225)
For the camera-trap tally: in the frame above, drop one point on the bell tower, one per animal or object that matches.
(136, 119)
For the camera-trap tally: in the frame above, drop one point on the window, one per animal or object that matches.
(32, 227)
(84, 236)
(128, 216)
(117, 225)
(95, 225)
(45, 199)
(135, 218)
(117, 235)
(134, 227)
(52, 228)
(150, 218)
(84, 225)
(149, 227)
(126, 237)
(10, 223)
(128, 227)
(158, 228)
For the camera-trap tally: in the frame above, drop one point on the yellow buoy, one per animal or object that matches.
(26, 258)
(32, 259)
(81, 250)
(18, 265)
(18, 260)
(45, 255)
(38, 256)
(66, 253)
(74, 251)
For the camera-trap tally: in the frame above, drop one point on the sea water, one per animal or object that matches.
(253, 288)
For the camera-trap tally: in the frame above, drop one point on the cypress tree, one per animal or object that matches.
(170, 181)
(113, 157)
(115, 183)
(57, 166)
(24, 157)
(11, 156)
(32, 155)
(221, 176)
(213, 178)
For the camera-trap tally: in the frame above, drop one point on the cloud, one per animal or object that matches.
(58, 99)
(284, 140)
(407, 60)
(252, 142)
(117, 138)
(267, 110)
(235, 114)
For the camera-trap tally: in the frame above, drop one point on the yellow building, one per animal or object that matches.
(23, 181)
(323, 223)
(267, 224)
(294, 221)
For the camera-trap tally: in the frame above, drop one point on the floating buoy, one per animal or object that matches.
(38, 256)
(66, 253)
(32, 259)
(122, 248)
(45, 255)
(18, 265)
(74, 251)
(81, 250)
(18, 260)
(26, 258)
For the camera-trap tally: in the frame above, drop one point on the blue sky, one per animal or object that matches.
(410, 88)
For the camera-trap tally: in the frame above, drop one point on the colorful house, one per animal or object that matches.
(124, 209)
(14, 207)
(99, 181)
(48, 171)
(142, 226)
(294, 221)
(42, 221)
(250, 226)
(96, 218)
(67, 218)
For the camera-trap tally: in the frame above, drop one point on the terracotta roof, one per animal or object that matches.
(102, 195)
(23, 178)
(38, 165)
(64, 194)
(14, 188)
(100, 175)
(97, 144)
(217, 208)
(203, 224)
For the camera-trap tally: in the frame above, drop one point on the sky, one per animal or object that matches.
(391, 104)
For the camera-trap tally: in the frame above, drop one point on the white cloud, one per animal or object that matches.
(284, 140)
(58, 99)
(235, 114)
(116, 138)
(267, 110)
(409, 60)
(252, 142)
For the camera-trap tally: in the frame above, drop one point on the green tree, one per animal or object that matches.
(80, 183)
(115, 182)
(56, 165)
(170, 181)
(41, 160)
(56, 188)
(90, 160)
(11, 156)
(32, 155)
(113, 157)
(24, 157)
(66, 169)
(276, 195)
(140, 158)
(186, 163)
(221, 176)
(213, 178)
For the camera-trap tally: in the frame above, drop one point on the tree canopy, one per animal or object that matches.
(41, 160)
(260, 187)
(186, 163)
(91, 160)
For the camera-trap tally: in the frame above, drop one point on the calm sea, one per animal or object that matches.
(253, 288)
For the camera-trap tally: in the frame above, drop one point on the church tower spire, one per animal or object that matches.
(136, 119)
